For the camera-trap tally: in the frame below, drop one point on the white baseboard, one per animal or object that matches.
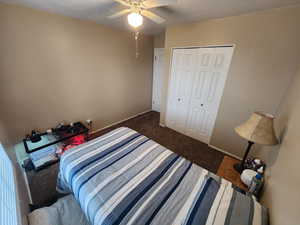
(120, 121)
(227, 153)
(162, 125)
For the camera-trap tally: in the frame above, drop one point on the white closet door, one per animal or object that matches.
(208, 72)
(209, 80)
(158, 64)
(180, 90)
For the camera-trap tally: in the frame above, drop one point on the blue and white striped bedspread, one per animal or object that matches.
(124, 177)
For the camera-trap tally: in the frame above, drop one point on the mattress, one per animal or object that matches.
(124, 177)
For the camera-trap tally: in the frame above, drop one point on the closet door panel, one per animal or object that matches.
(185, 78)
(180, 91)
(210, 77)
(172, 102)
(198, 117)
(219, 70)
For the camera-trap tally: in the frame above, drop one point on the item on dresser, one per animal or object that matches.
(34, 137)
(62, 133)
(247, 176)
(65, 131)
(38, 150)
(254, 164)
(256, 185)
(71, 143)
(46, 155)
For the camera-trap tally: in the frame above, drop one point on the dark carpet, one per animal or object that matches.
(43, 183)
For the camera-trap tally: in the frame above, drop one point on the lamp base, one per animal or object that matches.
(238, 167)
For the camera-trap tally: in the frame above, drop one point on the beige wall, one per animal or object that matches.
(55, 68)
(159, 40)
(282, 193)
(266, 56)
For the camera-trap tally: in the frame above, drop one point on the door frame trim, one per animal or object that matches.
(169, 78)
(154, 54)
(203, 46)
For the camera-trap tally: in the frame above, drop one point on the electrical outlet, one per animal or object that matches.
(89, 121)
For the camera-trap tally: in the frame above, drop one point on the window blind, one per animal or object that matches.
(8, 196)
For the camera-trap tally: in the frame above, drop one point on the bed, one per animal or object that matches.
(124, 177)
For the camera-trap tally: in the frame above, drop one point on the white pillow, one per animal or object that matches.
(45, 216)
(65, 211)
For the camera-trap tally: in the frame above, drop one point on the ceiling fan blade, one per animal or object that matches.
(148, 4)
(119, 14)
(153, 17)
(123, 2)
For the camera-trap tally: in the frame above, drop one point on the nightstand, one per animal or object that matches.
(227, 171)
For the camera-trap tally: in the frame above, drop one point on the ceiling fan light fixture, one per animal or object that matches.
(135, 19)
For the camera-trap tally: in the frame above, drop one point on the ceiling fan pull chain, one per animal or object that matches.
(136, 37)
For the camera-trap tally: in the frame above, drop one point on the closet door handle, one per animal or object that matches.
(201, 104)
(179, 99)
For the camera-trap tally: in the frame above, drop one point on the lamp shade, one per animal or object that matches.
(259, 129)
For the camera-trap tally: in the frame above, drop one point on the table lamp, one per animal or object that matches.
(258, 129)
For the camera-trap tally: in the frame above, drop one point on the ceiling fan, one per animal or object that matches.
(139, 8)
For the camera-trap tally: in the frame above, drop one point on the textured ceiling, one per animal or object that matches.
(183, 11)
